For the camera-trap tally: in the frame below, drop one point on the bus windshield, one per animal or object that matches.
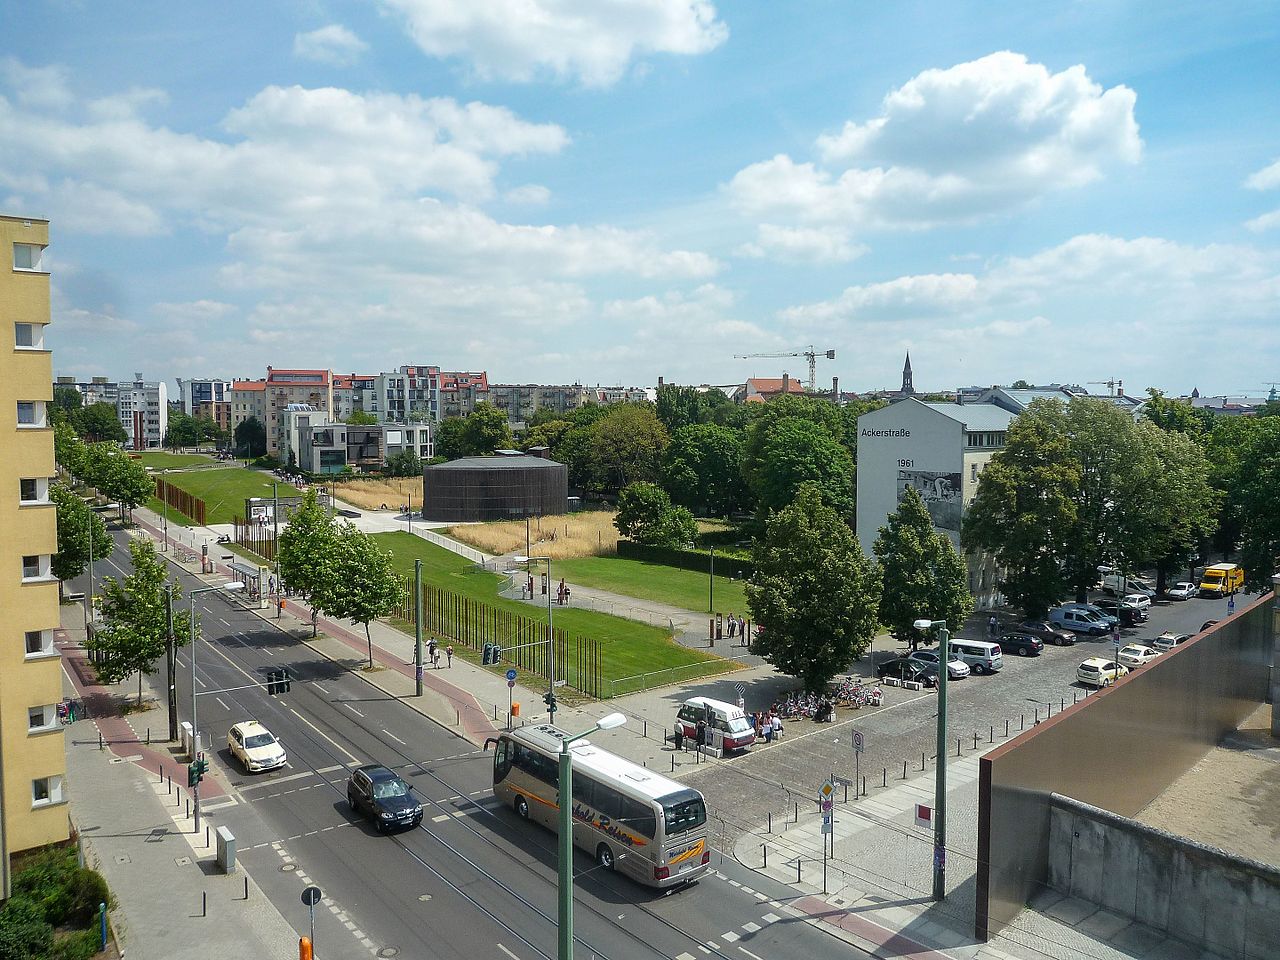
(683, 811)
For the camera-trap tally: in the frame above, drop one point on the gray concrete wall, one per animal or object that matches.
(1204, 896)
(1117, 750)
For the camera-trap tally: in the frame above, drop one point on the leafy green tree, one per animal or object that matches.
(361, 418)
(68, 448)
(1016, 385)
(182, 432)
(627, 446)
(679, 407)
(486, 430)
(67, 404)
(77, 524)
(813, 593)
(702, 469)
(134, 636)
(1259, 516)
(250, 438)
(307, 551)
(1269, 409)
(363, 585)
(1224, 446)
(451, 438)
(406, 463)
(924, 575)
(646, 515)
(99, 422)
(1176, 415)
(545, 434)
(1025, 508)
(116, 475)
(794, 451)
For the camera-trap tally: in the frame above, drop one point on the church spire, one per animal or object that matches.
(907, 388)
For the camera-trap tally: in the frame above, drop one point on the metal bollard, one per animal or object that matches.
(206, 834)
(798, 862)
(764, 848)
(673, 763)
(1006, 728)
(864, 786)
(170, 783)
(975, 741)
(204, 903)
(1062, 704)
(957, 746)
(1022, 720)
(1048, 710)
(99, 739)
(884, 776)
(148, 736)
(1073, 696)
(646, 729)
(246, 886)
(188, 807)
(922, 761)
(991, 736)
(770, 829)
(846, 793)
(1037, 714)
(797, 810)
(904, 769)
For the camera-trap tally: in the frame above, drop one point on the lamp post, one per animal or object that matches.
(170, 661)
(275, 539)
(551, 633)
(940, 782)
(88, 599)
(565, 859)
(195, 721)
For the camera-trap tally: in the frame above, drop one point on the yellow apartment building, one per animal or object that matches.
(33, 764)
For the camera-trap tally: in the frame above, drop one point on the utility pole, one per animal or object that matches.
(171, 661)
(711, 584)
(940, 783)
(88, 597)
(275, 540)
(417, 625)
(410, 515)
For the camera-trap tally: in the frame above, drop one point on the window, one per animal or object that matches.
(30, 413)
(39, 643)
(35, 567)
(45, 791)
(33, 490)
(973, 472)
(42, 718)
(28, 336)
(26, 256)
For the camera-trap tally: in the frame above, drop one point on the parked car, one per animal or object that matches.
(1110, 619)
(1136, 655)
(1100, 672)
(1207, 624)
(1047, 632)
(1168, 640)
(1114, 584)
(1182, 591)
(956, 668)
(255, 746)
(1023, 644)
(982, 656)
(1140, 600)
(377, 793)
(1128, 613)
(1079, 621)
(904, 669)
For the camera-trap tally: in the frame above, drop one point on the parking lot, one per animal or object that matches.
(770, 777)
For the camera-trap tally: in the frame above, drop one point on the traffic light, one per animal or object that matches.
(277, 681)
(486, 656)
(550, 700)
(196, 770)
(285, 680)
(497, 653)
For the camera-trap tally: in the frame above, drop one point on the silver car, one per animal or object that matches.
(956, 669)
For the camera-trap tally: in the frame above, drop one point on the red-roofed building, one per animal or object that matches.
(460, 392)
(284, 388)
(248, 399)
(760, 389)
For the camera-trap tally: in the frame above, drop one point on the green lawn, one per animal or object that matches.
(223, 491)
(162, 460)
(630, 648)
(654, 581)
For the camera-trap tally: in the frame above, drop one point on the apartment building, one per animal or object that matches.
(286, 388)
(95, 390)
(143, 408)
(32, 750)
(216, 410)
(248, 399)
(459, 392)
(196, 392)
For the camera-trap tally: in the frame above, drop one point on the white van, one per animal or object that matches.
(726, 718)
(982, 656)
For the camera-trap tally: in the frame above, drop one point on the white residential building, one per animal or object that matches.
(143, 408)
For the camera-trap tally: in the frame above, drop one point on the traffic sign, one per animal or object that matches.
(511, 683)
(311, 896)
(827, 805)
(924, 815)
(827, 826)
(858, 741)
(844, 781)
(826, 790)
(511, 677)
(741, 688)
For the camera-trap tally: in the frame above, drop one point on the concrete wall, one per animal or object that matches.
(1118, 750)
(1204, 896)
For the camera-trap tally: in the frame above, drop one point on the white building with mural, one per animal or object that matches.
(940, 449)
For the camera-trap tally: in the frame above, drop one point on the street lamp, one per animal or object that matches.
(940, 783)
(565, 865)
(551, 633)
(231, 587)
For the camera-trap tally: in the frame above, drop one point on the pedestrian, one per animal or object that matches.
(733, 622)
(448, 652)
(993, 627)
(702, 733)
(742, 704)
(431, 650)
(777, 726)
(679, 735)
(435, 659)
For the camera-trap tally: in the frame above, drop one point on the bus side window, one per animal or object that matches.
(502, 760)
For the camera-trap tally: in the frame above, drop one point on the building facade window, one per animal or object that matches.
(42, 718)
(33, 490)
(31, 413)
(39, 643)
(35, 566)
(28, 336)
(46, 791)
(27, 256)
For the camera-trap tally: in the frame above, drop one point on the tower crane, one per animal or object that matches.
(808, 353)
(1112, 385)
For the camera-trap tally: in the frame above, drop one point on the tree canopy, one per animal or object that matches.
(78, 525)
(646, 515)
(1258, 482)
(478, 434)
(793, 451)
(185, 431)
(702, 469)
(362, 585)
(99, 422)
(361, 418)
(250, 437)
(307, 552)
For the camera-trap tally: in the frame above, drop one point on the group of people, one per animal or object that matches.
(433, 653)
(736, 626)
(768, 725)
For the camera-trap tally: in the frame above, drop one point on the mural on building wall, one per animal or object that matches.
(941, 493)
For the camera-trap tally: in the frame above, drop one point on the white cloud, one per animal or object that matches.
(813, 244)
(530, 194)
(40, 88)
(593, 42)
(1268, 178)
(953, 146)
(334, 45)
(1267, 221)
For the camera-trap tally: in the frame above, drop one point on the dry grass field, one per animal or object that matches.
(371, 494)
(588, 534)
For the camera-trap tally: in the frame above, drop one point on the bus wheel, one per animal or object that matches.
(522, 808)
(604, 856)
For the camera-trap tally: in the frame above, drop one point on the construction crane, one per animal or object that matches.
(1112, 385)
(809, 353)
(1271, 396)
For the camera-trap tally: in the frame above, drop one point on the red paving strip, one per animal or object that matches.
(890, 944)
(120, 738)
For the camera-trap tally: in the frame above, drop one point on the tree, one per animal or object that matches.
(924, 575)
(307, 550)
(99, 422)
(361, 418)
(364, 585)
(67, 403)
(182, 432)
(794, 451)
(116, 475)
(135, 634)
(406, 463)
(645, 515)
(546, 434)
(813, 592)
(679, 407)
(1017, 385)
(77, 524)
(486, 429)
(250, 438)
(1224, 447)
(68, 448)
(451, 438)
(702, 469)
(1176, 415)
(1259, 519)
(626, 446)
(1025, 508)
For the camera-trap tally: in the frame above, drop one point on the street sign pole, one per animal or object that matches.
(310, 897)
(511, 695)
(417, 626)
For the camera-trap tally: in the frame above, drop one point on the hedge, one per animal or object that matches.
(698, 560)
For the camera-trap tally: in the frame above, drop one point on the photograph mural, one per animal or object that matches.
(941, 493)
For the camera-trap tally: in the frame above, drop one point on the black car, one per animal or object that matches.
(1023, 644)
(1129, 614)
(1046, 631)
(383, 797)
(903, 669)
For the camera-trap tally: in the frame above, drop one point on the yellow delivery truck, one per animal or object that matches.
(1221, 579)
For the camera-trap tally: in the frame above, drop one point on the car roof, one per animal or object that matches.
(249, 727)
(1135, 646)
(376, 771)
(1095, 662)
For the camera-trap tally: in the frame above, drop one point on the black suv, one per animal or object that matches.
(1023, 644)
(903, 669)
(382, 796)
(1130, 615)
(1047, 632)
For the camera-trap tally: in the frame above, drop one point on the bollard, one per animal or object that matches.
(673, 763)
(160, 770)
(797, 810)
(1037, 714)
(457, 717)
(991, 736)
(1073, 696)
(204, 903)
(148, 736)
(904, 769)
(1062, 704)
(846, 793)
(1022, 720)
(922, 761)
(957, 746)
(884, 776)
(188, 807)
(1006, 728)
(764, 848)
(646, 729)
(246, 886)
(770, 829)
(170, 783)
(975, 741)
(102, 924)
(1048, 710)
(798, 861)
(99, 739)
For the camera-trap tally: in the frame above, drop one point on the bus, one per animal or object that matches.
(626, 816)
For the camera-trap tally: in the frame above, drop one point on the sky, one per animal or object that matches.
(610, 191)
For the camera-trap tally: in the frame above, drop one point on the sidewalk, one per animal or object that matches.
(172, 901)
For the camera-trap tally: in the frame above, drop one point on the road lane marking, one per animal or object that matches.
(296, 776)
(394, 737)
(514, 957)
(750, 954)
(730, 937)
(752, 927)
(325, 735)
(353, 710)
(223, 705)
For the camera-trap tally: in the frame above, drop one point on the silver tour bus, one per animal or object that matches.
(629, 818)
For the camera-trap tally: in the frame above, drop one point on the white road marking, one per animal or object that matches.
(394, 737)
(353, 710)
(729, 937)
(201, 682)
(514, 957)
(685, 956)
(750, 954)
(223, 705)
(353, 761)
(296, 776)
(751, 927)
(441, 819)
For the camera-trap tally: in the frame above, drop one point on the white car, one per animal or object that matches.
(1100, 672)
(1168, 640)
(1182, 591)
(1136, 655)
(955, 668)
(1139, 600)
(255, 746)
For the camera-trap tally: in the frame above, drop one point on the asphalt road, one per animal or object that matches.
(473, 881)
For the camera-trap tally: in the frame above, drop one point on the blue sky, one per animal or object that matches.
(610, 191)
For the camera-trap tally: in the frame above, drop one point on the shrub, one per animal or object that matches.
(80, 945)
(24, 935)
(46, 879)
(86, 890)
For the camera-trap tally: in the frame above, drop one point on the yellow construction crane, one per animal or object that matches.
(808, 353)
(1112, 385)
